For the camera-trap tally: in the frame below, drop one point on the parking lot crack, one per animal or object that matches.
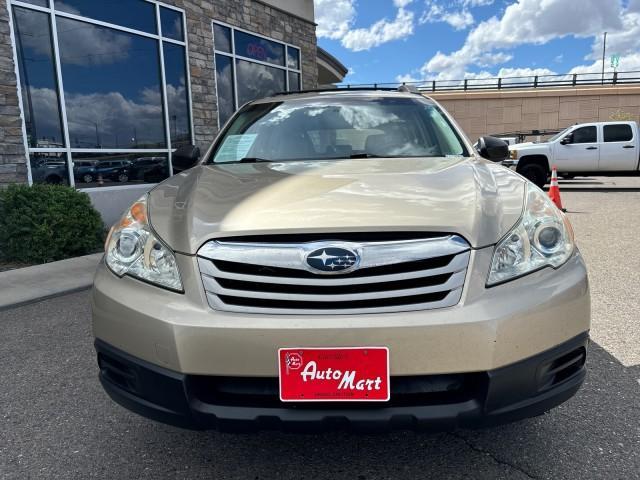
(497, 460)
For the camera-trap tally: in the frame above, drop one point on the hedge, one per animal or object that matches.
(44, 223)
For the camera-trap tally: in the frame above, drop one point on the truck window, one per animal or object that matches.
(618, 133)
(585, 135)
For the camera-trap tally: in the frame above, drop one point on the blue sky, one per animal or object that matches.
(404, 40)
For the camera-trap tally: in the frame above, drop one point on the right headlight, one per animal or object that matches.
(133, 249)
(542, 238)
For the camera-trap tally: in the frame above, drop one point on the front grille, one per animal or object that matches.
(392, 276)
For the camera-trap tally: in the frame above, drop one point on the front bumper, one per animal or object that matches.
(489, 328)
(441, 402)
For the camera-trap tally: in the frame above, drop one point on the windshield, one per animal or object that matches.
(558, 135)
(336, 128)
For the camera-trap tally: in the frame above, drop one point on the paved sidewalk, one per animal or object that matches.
(26, 285)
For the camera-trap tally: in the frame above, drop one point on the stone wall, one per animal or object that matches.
(250, 15)
(13, 167)
(494, 112)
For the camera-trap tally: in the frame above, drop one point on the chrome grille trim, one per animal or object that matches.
(403, 275)
(373, 254)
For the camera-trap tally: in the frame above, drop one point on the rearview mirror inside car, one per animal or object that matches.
(493, 149)
(185, 157)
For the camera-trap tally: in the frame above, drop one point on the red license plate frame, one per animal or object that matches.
(355, 374)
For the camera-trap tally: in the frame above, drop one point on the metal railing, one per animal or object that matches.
(500, 83)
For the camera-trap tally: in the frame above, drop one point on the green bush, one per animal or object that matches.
(44, 223)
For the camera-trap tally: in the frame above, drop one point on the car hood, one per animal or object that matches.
(519, 146)
(476, 199)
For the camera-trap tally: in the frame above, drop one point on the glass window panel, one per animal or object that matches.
(258, 48)
(293, 58)
(109, 169)
(618, 133)
(222, 38)
(585, 135)
(224, 88)
(136, 14)
(40, 3)
(171, 23)
(38, 79)
(258, 81)
(177, 94)
(49, 168)
(112, 87)
(294, 82)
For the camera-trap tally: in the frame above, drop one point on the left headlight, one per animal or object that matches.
(133, 249)
(542, 238)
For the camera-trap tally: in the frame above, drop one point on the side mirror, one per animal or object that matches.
(567, 140)
(493, 149)
(185, 157)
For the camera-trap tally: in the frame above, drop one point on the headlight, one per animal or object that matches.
(513, 154)
(133, 249)
(542, 238)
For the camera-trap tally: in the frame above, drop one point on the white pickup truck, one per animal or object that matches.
(600, 148)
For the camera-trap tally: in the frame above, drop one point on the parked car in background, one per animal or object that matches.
(49, 170)
(85, 171)
(115, 170)
(149, 169)
(342, 259)
(599, 148)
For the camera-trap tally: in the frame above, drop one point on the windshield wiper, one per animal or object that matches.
(253, 160)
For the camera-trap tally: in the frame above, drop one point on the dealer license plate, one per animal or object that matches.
(334, 374)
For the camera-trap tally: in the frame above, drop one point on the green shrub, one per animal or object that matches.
(44, 223)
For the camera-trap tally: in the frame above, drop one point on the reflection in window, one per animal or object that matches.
(177, 94)
(294, 81)
(258, 48)
(224, 87)
(171, 21)
(112, 87)
(40, 3)
(222, 38)
(258, 81)
(136, 14)
(37, 75)
(102, 169)
(293, 58)
(49, 168)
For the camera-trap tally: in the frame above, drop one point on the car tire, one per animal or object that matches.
(87, 178)
(535, 173)
(123, 177)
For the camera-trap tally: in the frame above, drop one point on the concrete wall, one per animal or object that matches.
(492, 112)
(301, 8)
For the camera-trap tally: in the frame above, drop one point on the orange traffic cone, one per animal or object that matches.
(554, 189)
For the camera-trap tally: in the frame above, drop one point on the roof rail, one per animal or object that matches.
(402, 88)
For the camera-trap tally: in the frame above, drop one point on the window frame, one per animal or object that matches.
(234, 56)
(67, 149)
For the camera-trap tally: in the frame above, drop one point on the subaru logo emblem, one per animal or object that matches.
(332, 260)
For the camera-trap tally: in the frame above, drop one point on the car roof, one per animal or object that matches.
(338, 93)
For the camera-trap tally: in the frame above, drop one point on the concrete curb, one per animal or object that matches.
(32, 284)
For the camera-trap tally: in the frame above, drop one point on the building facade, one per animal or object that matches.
(98, 95)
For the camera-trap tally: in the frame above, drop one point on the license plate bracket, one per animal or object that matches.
(341, 374)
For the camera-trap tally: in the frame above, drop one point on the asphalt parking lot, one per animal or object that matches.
(56, 422)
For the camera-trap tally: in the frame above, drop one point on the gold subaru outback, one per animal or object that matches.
(342, 259)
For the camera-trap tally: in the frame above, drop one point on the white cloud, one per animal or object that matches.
(458, 19)
(382, 31)
(406, 78)
(526, 22)
(334, 17)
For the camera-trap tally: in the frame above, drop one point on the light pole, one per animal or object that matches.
(604, 52)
